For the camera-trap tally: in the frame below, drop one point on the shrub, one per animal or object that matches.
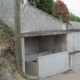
(46, 5)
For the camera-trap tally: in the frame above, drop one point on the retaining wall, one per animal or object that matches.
(32, 19)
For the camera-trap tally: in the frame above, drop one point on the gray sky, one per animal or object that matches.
(73, 6)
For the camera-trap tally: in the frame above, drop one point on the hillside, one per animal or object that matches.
(6, 37)
(7, 53)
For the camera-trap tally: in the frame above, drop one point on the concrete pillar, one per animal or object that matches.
(23, 54)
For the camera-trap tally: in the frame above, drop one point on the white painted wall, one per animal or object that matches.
(23, 54)
(53, 64)
(75, 61)
(73, 42)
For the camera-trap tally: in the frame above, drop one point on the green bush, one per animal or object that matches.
(46, 5)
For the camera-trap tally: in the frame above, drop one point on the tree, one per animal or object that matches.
(61, 11)
(74, 17)
(46, 5)
(33, 2)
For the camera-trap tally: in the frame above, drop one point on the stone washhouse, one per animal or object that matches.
(49, 46)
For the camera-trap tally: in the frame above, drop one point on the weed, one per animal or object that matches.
(9, 30)
(24, 76)
(2, 64)
(14, 70)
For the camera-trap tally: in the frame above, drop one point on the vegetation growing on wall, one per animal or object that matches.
(61, 11)
(74, 17)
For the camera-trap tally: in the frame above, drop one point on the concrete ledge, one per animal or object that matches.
(48, 32)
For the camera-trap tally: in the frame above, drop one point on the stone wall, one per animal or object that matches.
(32, 19)
(7, 12)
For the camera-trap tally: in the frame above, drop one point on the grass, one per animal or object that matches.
(2, 64)
(24, 76)
(7, 29)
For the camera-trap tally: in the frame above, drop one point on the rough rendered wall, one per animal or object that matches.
(60, 43)
(32, 45)
(7, 12)
(46, 43)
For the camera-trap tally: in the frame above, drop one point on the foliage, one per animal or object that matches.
(24, 76)
(74, 17)
(9, 30)
(33, 2)
(46, 5)
(61, 11)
